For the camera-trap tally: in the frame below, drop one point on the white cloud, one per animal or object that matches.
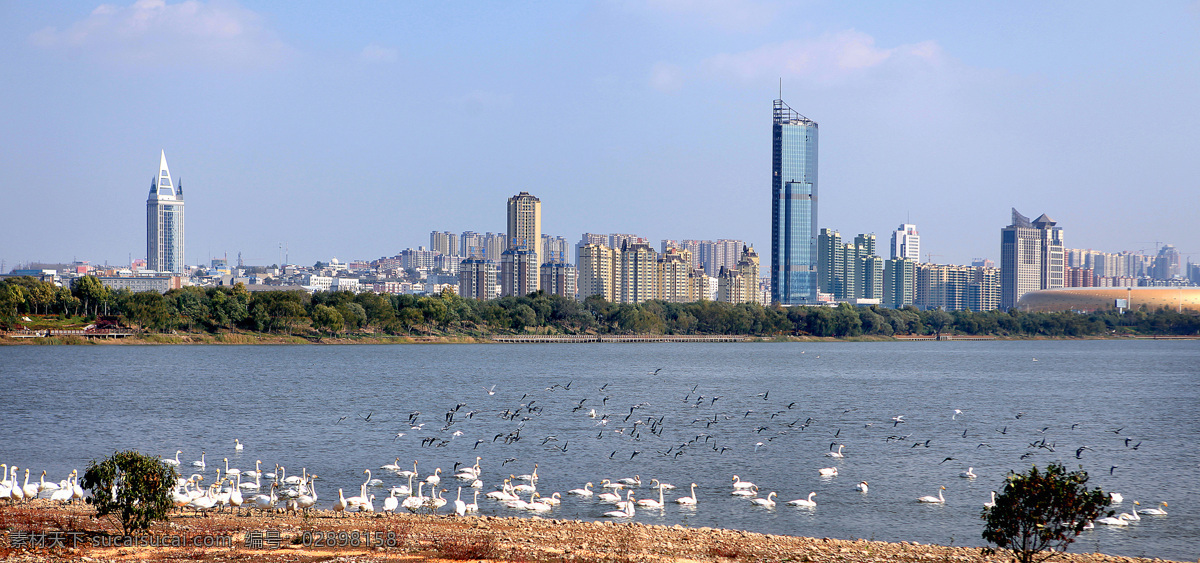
(666, 77)
(731, 15)
(379, 54)
(218, 33)
(828, 59)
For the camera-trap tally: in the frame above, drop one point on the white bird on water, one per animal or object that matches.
(932, 499)
(809, 502)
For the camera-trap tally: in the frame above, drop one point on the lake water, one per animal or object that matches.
(337, 410)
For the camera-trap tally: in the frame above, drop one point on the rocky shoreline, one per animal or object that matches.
(321, 536)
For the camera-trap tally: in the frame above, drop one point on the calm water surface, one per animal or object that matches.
(766, 412)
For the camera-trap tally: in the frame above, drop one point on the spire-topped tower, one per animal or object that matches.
(164, 221)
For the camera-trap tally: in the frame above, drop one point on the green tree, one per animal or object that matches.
(133, 486)
(1042, 512)
(938, 320)
(90, 291)
(328, 318)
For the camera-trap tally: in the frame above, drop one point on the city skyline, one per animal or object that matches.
(931, 119)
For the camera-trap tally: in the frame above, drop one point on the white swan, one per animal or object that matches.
(651, 503)
(407, 473)
(1154, 511)
(626, 513)
(394, 466)
(460, 507)
(436, 478)
(636, 481)
(306, 501)
(473, 506)
(1132, 515)
(738, 483)
(828, 471)
(932, 499)
(30, 490)
(861, 487)
(340, 504)
(609, 497)
(228, 471)
(44, 486)
(235, 496)
(1111, 521)
(200, 462)
(691, 501)
(254, 473)
(991, 503)
(751, 492)
(837, 454)
(809, 502)
(768, 502)
(414, 502)
(968, 474)
(606, 484)
(173, 462)
(237, 445)
(585, 492)
(531, 477)
(1117, 498)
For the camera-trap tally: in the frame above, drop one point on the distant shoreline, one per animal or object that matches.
(269, 339)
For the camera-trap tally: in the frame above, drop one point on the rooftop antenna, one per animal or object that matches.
(781, 87)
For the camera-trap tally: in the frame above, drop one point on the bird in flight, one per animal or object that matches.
(491, 391)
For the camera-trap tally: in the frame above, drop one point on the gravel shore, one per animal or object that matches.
(321, 536)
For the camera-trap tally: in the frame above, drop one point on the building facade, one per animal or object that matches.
(1031, 257)
(899, 282)
(638, 273)
(525, 225)
(957, 288)
(164, 222)
(906, 243)
(519, 271)
(558, 278)
(595, 271)
(793, 207)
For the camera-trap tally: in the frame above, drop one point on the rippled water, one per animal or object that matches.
(66, 405)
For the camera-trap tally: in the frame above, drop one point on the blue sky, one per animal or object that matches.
(352, 129)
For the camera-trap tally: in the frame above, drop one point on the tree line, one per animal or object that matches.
(218, 309)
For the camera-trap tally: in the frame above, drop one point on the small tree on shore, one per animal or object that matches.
(133, 486)
(1042, 511)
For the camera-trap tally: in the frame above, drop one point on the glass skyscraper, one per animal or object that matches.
(164, 222)
(793, 207)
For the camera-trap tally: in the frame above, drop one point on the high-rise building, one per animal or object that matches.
(525, 227)
(906, 243)
(558, 278)
(494, 244)
(674, 276)
(472, 245)
(618, 240)
(793, 207)
(849, 271)
(444, 242)
(595, 267)
(1031, 257)
(1166, 264)
(638, 273)
(519, 271)
(164, 221)
(554, 249)
(899, 282)
(956, 288)
(740, 284)
(477, 279)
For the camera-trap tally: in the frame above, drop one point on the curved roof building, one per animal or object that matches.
(1103, 298)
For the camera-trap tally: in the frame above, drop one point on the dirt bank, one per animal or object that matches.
(321, 537)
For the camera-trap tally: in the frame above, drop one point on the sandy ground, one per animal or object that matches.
(321, 536)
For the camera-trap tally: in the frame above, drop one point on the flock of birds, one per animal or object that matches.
(750, 423)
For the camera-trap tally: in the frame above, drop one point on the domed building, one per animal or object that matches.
(1088, 299)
